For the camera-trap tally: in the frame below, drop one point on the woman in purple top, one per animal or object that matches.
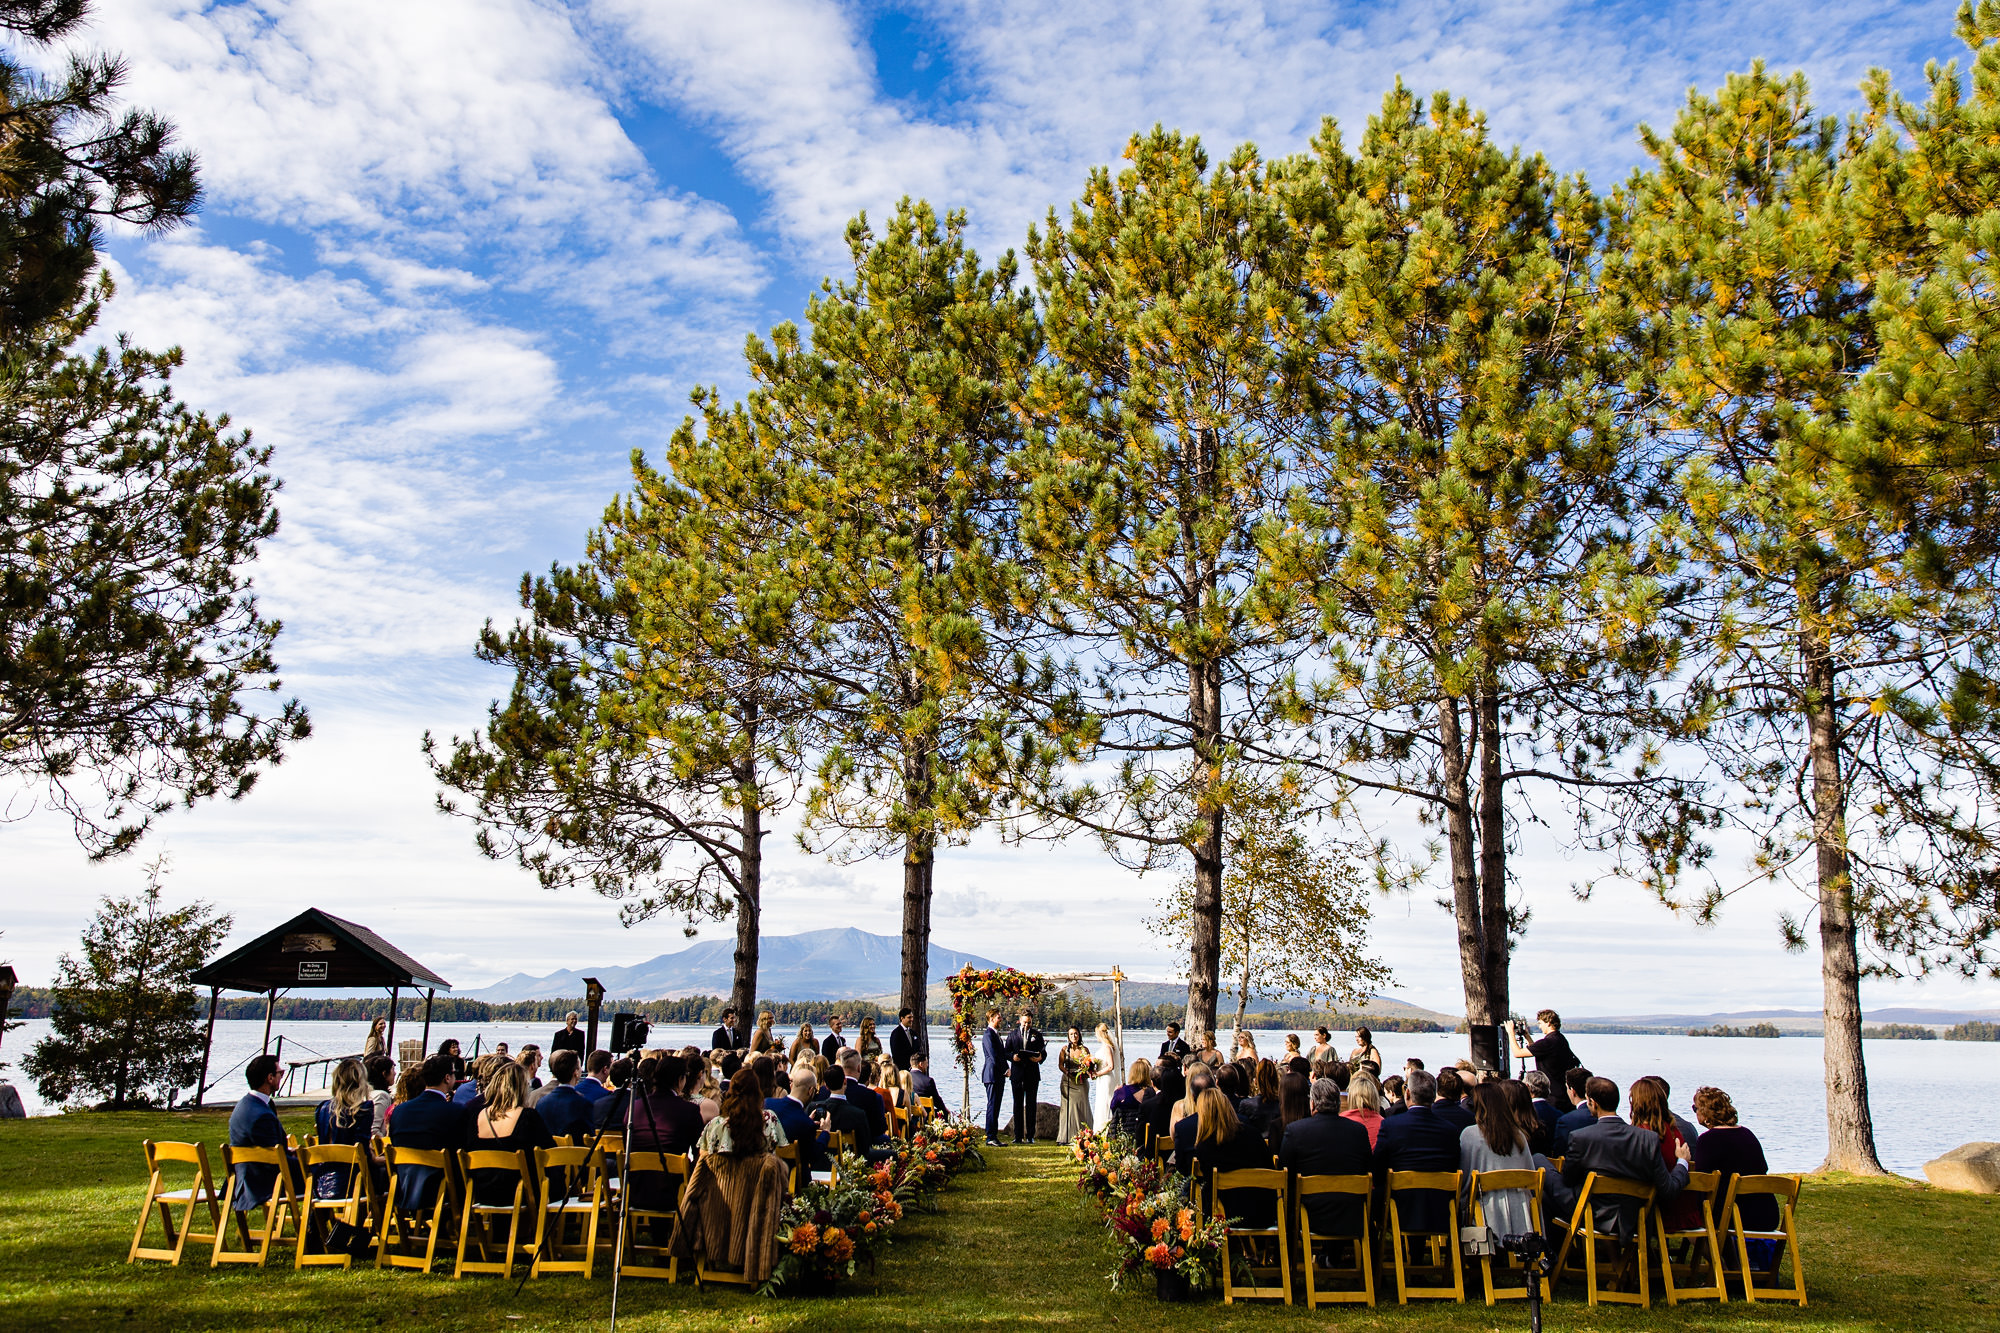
(1727, 1147)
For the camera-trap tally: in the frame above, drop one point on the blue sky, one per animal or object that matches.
(459, 258)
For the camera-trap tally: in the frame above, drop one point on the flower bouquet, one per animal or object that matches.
(1165, 1234)
(826, 1231)
(1111, 1167)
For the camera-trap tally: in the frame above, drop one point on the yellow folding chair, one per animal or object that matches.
(484, 1218)
(790, 1152)
(1485, 1183)
(1703, 1245)
(572, 1181)
(654, 1259)
(1363, 1271)
(1581, 1226)
(356, 1208)
(281, 1209)
(405, 1222)
(1784, 1189)
(198, 1192)
(1442, 1246)
(1278, 1185)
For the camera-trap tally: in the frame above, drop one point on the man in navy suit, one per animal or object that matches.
(865, 1098)
(1611, 1147)
(1547, 1113)
(790, 1108)
(922, 1084)
(837, 1114)
(993, 1073)
(591, 1085)
(1326, 1143)
(562, 1108)
(254, 1124)
(430, 1122)
(1028, 1048)
(1418, 1140)
(1571, 1121)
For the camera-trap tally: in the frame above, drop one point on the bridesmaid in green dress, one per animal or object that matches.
(1078, 1067)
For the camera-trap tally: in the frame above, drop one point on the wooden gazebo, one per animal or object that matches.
(314, 951)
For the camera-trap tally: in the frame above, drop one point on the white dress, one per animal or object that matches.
(1113, 1078)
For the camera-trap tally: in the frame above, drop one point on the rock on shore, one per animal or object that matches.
(1973, 1167)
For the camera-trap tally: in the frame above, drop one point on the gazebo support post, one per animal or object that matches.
(429, 996)
(270, 1010)
(207, 1045)
(389, 1042)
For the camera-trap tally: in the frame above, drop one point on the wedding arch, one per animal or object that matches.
(972, 989)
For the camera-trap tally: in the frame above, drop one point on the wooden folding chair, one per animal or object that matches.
(1785, 1189)
(572, 1181)
(281, 1209)
(1278, 1184)
(1491, 1182)
(1703, 1244)
(200, 1191)
(356, 1208)
(655, 1259)
(1443, 1243)
(1581, 1226)
(1305, 1187)
(485, 1217)
(405, 1221)
(790, 1152)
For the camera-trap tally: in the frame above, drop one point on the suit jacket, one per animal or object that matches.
(1456, 1113)
(566, 1111)
(1176, 1047)
(1547, 1115)
(1328, 1144)
(870, 1103)
(591, 1090)
(429, 1121)
(1025, 1052)
(254, 1124)
(1247, 1151)
(844, 1117)
(901, 1046)
(923, 1085)
(800, 1129)
(565, 1040)
(1611, 1147)
(831, 1046)
(1568, 1123)
(726, 1039)
(993, 1053)
(1418, 1140)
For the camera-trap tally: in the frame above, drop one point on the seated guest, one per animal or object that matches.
(1611, 1147)
(1169, 1086)
(504, 1124)
(1503, 1120)
(1649, 1111)
(1731, 1150)
(409, 1087)
(431, 1122)
(860, 1095)
(1547, 1113)
(562, 1108)
(1450, 1103)
(1327, 1143)
(835, 1114)
(1418, 1140)
(1576, 1080)
(1394, 1096)
(1411, 1066)
(1199, 1080)
(922, 1085)
(1293, 1104)
(1213, 1140)
(1364, 1104)
(469, 1091)
(382, 1085)
(789, 1106)
(608, 1113)
(1689, 1131)
(591, 1085)
(705, 1087)
(662, 1119)
(1129, 1102)
(730, 1211)
(448, 1048)
(254, 1124)
(530, 1059)
(347, 1117)
(719, 1134)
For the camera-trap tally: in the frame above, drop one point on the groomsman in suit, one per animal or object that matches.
(830, 1048)
(1026, 1049)
(1173, 1045)
(730, 1035)
(903, 1037)
(993, 1073)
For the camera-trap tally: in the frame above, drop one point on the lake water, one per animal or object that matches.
(1777, 1084)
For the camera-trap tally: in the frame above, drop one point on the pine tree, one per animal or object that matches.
(1157, 469)
(126, 1023)
(1464, 518)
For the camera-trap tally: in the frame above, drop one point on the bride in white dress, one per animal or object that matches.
(1112, 1057)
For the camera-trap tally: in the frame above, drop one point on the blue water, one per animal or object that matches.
(1776, 1084)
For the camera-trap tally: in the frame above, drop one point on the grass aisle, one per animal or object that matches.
(1015, 1248)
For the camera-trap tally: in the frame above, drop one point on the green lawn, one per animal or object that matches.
(1015, 1247)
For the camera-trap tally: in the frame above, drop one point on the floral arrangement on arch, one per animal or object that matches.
(973, 990)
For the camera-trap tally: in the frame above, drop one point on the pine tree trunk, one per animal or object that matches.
(919, 862)
(1850, 1129)
(750, 882)
(1492, 857)
(1461, 843)
(1205, 916)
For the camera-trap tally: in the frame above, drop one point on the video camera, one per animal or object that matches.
(629, 1033)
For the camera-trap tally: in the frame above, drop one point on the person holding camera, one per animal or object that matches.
(1550, 1051)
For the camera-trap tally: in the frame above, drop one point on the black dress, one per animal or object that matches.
(493, 1185)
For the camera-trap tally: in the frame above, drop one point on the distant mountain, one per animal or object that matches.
(818, 965)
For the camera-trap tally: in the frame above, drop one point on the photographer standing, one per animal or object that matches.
(1550, 1051)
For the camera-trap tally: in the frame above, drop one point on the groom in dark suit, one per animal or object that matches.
(1026, 1049)
(993, 1073)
